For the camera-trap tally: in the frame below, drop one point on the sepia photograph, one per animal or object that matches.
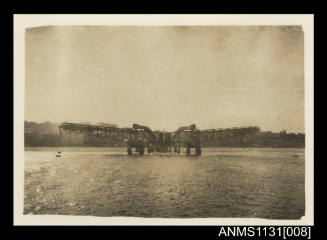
(165, 121)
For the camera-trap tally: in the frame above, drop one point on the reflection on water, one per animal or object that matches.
(223, 182)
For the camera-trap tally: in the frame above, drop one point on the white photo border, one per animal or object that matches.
(23, 21)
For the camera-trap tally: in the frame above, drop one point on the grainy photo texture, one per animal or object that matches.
(165, 121)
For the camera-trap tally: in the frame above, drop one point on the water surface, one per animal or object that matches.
(223, 182)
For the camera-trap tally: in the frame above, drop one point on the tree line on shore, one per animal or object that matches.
(47, 135)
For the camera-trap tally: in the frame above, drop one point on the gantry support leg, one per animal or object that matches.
(129, 150)
(198, 151)
(141, 151)
(188, 150)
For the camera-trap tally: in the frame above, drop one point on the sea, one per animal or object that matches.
(221, 183)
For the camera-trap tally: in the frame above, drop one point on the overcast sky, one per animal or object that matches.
(166, 77)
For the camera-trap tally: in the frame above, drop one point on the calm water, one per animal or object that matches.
(223, 182)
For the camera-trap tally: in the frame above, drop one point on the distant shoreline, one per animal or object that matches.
(47, 135)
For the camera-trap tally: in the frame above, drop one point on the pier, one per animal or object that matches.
(142, 139)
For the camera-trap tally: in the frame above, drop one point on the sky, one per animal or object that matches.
(165, 77)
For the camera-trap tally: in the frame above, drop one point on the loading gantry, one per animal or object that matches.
(187, 137)
(141, 137)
